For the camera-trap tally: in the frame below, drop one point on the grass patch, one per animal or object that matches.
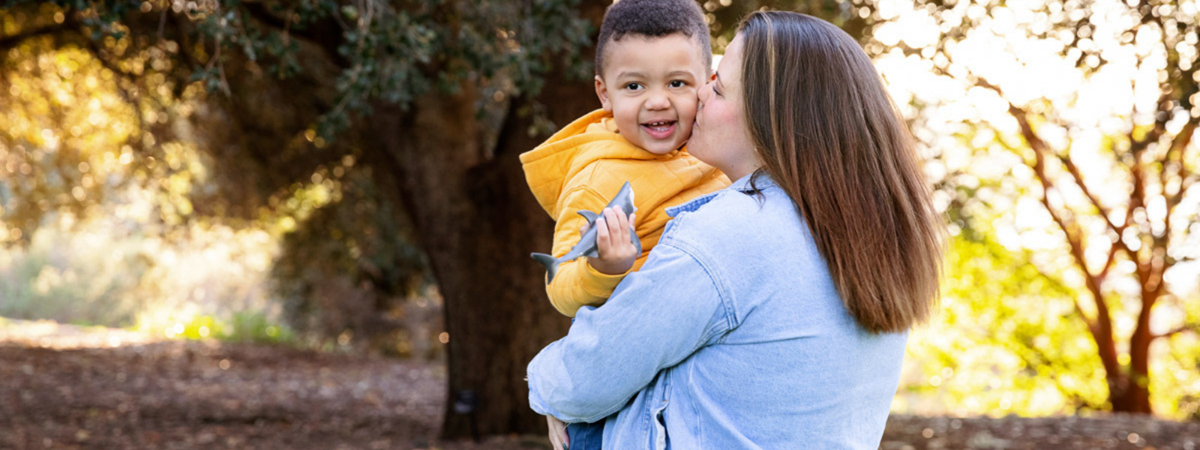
(254, 327)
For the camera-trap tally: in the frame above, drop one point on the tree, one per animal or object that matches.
(423, 70)
(1098, 102)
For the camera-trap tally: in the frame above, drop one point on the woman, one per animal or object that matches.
(773, 314)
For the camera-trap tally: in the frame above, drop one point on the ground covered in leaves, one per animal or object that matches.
(118, 391)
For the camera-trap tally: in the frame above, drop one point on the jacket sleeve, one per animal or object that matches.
(657, 317)
(577, 284)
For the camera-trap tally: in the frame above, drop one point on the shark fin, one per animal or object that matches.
(590, 216)
(550, 263)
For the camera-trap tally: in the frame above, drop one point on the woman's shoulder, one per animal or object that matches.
(741, 215)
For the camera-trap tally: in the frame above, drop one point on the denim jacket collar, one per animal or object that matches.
(763, 182)
(742, 185)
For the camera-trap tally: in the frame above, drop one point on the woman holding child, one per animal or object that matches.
(774, 313)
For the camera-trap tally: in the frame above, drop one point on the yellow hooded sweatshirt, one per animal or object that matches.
(581, 168)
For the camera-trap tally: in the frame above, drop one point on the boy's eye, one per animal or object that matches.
(678, 84)
(633, 86)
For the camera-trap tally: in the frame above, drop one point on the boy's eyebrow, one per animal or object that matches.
(672, 74)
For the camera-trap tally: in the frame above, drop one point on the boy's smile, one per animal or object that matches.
(649, 85)
(660, 129)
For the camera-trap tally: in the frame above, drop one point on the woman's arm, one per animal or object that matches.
(656, 318)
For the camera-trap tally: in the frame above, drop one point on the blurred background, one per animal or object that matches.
(341, 177)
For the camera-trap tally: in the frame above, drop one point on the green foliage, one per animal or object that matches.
(724, 16)
(1007, 340)
(1040, 153)
(255, 327)
(241, 326)
(392, 52)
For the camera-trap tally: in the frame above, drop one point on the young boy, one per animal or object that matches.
(651, 57)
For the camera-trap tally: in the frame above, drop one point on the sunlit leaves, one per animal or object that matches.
(1092, 103)
(1007, 340)
(65, 127)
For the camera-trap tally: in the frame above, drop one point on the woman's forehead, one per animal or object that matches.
(729, 70)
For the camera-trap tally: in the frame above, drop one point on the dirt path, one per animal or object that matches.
(197, 395)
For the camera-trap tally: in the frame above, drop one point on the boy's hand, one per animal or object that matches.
(613, 242)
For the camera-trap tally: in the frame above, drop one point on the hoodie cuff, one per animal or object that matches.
(600, 284)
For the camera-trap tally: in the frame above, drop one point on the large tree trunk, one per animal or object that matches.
(1133, 393)
(1130, 392)
(478, 222)
(1129, 396)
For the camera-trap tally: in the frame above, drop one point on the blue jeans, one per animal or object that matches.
(585, 436)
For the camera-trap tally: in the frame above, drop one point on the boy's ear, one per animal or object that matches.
(602, 93)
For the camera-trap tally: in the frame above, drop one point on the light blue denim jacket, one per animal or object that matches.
(731, 336)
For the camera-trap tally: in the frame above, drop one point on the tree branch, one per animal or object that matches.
(1137, 199)
(1108, 262)
(1179, 147)
(1040, 147)
(1193, 327)
(9, 42)
(328, 35)
(1160, 127)
(185, 42)
(1101, 327)
(97, 54)
(1078, 178)
(1091, 324)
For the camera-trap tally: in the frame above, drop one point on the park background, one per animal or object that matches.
(337, 181)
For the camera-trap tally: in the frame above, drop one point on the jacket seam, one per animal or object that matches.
(699, 430)
(724, 293)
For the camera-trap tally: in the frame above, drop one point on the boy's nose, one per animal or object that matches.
(658, 101)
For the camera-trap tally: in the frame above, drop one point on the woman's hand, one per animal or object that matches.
(558, 433)
(613, 242)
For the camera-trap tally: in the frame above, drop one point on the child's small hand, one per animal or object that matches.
(613, 242)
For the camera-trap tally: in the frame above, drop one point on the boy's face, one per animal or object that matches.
(649, 85)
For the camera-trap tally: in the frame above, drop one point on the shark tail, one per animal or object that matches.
(550, 262)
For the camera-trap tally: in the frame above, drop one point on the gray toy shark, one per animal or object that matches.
(587, 243)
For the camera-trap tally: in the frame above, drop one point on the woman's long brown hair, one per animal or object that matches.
(830, 136)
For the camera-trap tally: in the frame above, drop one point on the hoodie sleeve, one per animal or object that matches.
(577, 284)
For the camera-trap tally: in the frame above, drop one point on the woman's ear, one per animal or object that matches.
(602, 93)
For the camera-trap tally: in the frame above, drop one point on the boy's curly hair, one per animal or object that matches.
(653, 18)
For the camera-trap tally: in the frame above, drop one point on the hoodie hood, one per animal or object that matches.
(588, 139)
